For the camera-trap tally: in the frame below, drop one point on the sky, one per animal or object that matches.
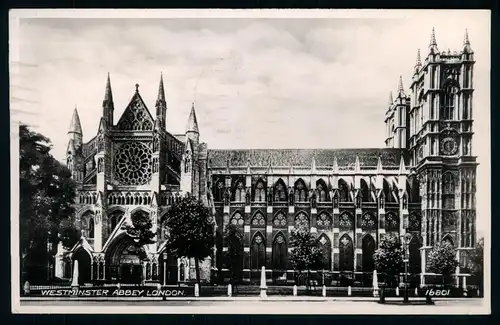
(274, 82)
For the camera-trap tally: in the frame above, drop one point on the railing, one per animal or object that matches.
(129, 198)
(87, 197)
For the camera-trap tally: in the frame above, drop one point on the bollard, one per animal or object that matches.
(118, 286)
(416, 292)
(324, 291)
(349, 291)
(382, 296)
(229, 290)
(397, 291)
(428, 300)
(196, 290)
(294, 290)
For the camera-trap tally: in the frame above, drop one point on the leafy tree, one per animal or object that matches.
(476, 262)
(190, 230)
(234, 254)
(306, 253)
(389, 258)
(46, 200)
(140, 231)
(442, 260)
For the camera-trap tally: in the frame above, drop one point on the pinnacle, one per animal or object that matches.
(466, 38)
(391, 99)
(433, 37)
(401, 92)
(192, 125)
(108, 95)
(161, 90)
(75, 126)
(419, 61)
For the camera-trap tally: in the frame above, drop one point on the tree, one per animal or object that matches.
(190, 230)
(234, 255)
(442, 260)
(140, 231)
(46, 200)
(476, 262)
(389, 258)
(306, 253)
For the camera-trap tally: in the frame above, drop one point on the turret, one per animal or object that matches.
(74, 156)
(75, 130)
(107, 104)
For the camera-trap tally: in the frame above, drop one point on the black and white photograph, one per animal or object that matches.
(250, 161)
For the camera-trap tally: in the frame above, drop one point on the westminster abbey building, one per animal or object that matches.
(422, 183)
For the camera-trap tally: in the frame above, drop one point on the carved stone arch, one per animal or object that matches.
(325, 245)
(448, 239)
(138, 209)
(258, 219)
(323, 192)
(114, 215)
(280, 191)
(280, 219)
(368, 221)
(258, 251)
(259, 190)
(85, 259)
(237, 219)
(368, 248)
(238, 189)
(365, 190)
(300, 190)
(301, 220)
(344, 191)
(387, 188)
(279, 252)
(392, 221)
(346, 221)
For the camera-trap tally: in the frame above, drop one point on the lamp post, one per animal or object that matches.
(404, 240)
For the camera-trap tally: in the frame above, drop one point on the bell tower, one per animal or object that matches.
(440, 146)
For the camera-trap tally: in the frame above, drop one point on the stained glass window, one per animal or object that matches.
(133, 164)
(258, 220)
(260, 192)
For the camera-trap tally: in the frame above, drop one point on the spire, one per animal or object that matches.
(75, 126)
(391, 99)
(192, 125)
(108, 95)
(433, 44)
(161, 91)
(418, 64)
(467, 48)
(401, 91)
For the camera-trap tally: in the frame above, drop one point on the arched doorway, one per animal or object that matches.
(84, 262)
(368, 262)
(122, 259)
(326, 252)
(346, 250)
(279, 255)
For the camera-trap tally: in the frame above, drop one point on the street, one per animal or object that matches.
(256, 306)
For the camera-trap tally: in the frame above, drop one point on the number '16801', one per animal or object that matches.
(437, 293)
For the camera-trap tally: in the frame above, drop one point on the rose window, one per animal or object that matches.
(133, 164)
(258, 220)
(237, 219)
(323, 220)
(345, 221)
(279, 220)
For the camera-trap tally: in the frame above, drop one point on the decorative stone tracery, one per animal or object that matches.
(133, 164)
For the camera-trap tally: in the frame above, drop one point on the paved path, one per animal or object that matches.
(253, 305)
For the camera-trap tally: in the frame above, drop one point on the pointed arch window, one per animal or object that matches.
(91, 228)
(280, 251)
(258, 220)
(391, 222)
(324, 220)
(388, 192)
(279, 220)
(325, 247)
(414, 222)
(301, 221)
(219, 190)
(322, 191)
(344, 191)
(237, 219)
(346, 253)
(414, 255)
(187, 162)
(365, 191)
(260, 191)
(368, 249)
(114, 219)
(280, 191)
(448, 101)
(300, 191)
(368, 222)
(258, 252)
(346, 221)
(239, 192)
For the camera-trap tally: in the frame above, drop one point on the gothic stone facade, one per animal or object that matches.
(422, 183)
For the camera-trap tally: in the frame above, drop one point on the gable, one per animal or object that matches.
(136, 116)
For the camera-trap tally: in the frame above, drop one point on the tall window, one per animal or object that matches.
(258, 252)
(300, 191)
(365, 191)
(239, 192)
(187, 163)
(448, 102)
(279, 252)
(322, 191)
(301, 221)
(260, 192)
(258, 220)
(368, 249)
(343, 191)
(219, 191)
(326, 251)
(91, 228)
(280, 191)
(346, 253)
